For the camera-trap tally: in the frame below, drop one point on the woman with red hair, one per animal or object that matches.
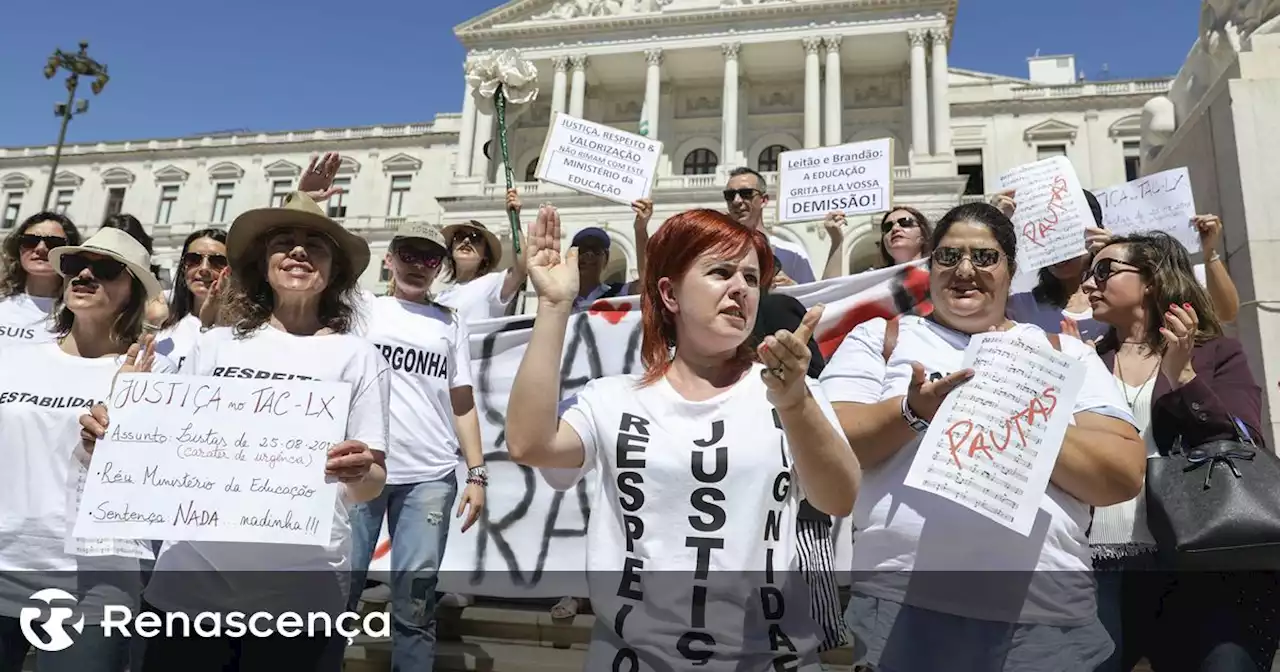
(703, 457)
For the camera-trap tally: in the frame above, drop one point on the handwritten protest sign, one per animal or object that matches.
(1051, 215)
(598, 160)
(215, 459)
(993, 443)
(73, 545)
(856, 178)
(1159, 202)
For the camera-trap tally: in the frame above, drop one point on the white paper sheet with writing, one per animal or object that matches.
(856, 178)
(1052, 213)
(73, 545)
(1159, 202)
(993, 443)
(599, 160)
(215, 459)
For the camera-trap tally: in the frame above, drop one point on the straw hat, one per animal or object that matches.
(495, 245)
(118, 245)
(298, 211)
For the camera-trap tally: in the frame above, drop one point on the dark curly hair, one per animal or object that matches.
(126, 329)
(181, 301)
(250, 300)
(14, 278)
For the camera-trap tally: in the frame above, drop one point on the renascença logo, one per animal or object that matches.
(54, 627)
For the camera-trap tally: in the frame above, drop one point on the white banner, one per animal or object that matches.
(531, 540)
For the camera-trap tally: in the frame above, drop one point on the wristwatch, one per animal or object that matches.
(916, 423)
(478, 475)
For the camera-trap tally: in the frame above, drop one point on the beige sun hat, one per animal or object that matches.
(495, 245)
(118, 245)
(298, 211)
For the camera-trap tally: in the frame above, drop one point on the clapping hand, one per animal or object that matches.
(786, 357)
(317, 180)
(211, 309)
(1179, 331)
(141, 356)
(926, 397)
(1072, 328)
(554, 276)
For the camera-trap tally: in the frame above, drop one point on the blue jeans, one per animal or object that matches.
(417, 548)
(92, 650)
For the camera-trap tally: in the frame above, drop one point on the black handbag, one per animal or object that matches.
(1217, 505)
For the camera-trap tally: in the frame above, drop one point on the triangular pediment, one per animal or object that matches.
(171, 174)
(1052, 129)
(117, 176)
(67, 178)
(15, 181)
(283, 168)
(226, 171)
(401, 163)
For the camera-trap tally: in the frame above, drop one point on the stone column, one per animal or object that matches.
(941, 93)
(653, 90)
(919, 95)
(560, 88)
(578, 92)
(484, 133)
(467, 135)
(812, 93)
(729, 104)
(835, 101)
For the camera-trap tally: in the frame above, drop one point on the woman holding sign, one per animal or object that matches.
(925, 567)
(294, 276)
(703, 458)
(97, 323)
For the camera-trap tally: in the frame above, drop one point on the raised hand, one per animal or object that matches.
(834, 224)
(1004, 202)
(513, 199)
(925, 397)
(786, 357)
(1096, 238)
(644, 212)
(1210, 229)
(317, 179)
(1180, 327)
(554, 276)
(141, 356)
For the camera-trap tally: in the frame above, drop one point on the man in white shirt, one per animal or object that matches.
(746, 195)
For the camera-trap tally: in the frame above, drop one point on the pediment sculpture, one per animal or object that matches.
(578, 9)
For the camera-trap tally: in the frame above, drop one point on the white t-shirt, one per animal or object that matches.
(429, 351)
(1023, 307)
(43, 393)
(218, 576)
(26, 319)
(176, 341)
(900, 529)
(692, 494)
(479, 299)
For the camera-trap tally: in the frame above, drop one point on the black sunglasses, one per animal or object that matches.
(980, 257)
(216, 261)
(746, 194)
(428, 258)
(903, 223)
(30, 241)
(1105, 268)
(73, 265)
(467, 235)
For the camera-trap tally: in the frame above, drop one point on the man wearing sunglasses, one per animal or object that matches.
(746, 196)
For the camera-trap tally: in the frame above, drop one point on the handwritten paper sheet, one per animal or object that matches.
(993, 443)
(215, 459)
(599, 160)
(1052, 213)
(73, 545)
(1159, 202)
(856, 178)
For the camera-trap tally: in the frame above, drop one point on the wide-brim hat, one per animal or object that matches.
(495, 245)
(298, 211)
(118, 245)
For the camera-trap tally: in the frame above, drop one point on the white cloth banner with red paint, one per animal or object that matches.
(531, 540)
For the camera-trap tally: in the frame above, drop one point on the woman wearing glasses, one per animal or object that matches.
(29, 284)
(97, 324)
(433, 420)
(204, 260)
(475, 291)
(904, 236)
(928, 570)
(1182, 379)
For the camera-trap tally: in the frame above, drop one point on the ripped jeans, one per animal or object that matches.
(418, 516)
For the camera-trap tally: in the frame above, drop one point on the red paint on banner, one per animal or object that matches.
(914, 281)
(609, 311)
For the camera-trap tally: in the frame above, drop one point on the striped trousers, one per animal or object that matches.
(818, 564)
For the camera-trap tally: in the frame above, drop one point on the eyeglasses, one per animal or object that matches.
(30, 241)
(428, 258)
(194, 259)
(73, 265)
(980, 257)
(746, 194)
(1105, 268)
(902, 222)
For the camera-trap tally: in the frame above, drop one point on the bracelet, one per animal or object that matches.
(478, 480)
(1213, 257)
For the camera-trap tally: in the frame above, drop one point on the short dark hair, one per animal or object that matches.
(743, 170)
(987, 215)
(14, 278)
(180, 300)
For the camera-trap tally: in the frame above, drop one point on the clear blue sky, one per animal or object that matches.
(180, 68)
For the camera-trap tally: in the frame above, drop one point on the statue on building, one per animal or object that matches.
(577, 9)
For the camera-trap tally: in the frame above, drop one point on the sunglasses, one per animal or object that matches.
(980, 257)
(472, 237)
(745, 194)
(73, 265)
(902, 222)
(216, 261)
(30, 241)
(428, 258)
(1104, 269)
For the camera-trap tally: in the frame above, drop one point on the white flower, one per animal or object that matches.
(518, 77)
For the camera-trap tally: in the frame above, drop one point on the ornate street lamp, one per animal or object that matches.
(77, 64)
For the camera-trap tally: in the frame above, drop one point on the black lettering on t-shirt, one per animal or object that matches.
(768, 565)
(787, 663)
(629, 584)
(717, 433)
(773, 526)
(721, 469)
(634, 423)
(17, 333)
(699, 619)
(626, 655)
(704, 500)
(781, 486)
(685, 646)
(620, 620)
(15, 397)
(635, 529)
(704, 545)
(778, 639)
(242, 372)
(771, 603)
(630, 497)
(413, 360)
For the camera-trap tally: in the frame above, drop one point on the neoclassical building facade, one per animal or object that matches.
(721, 83)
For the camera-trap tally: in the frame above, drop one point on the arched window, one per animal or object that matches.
(701, 162)
(531, 171)
(768, 160)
